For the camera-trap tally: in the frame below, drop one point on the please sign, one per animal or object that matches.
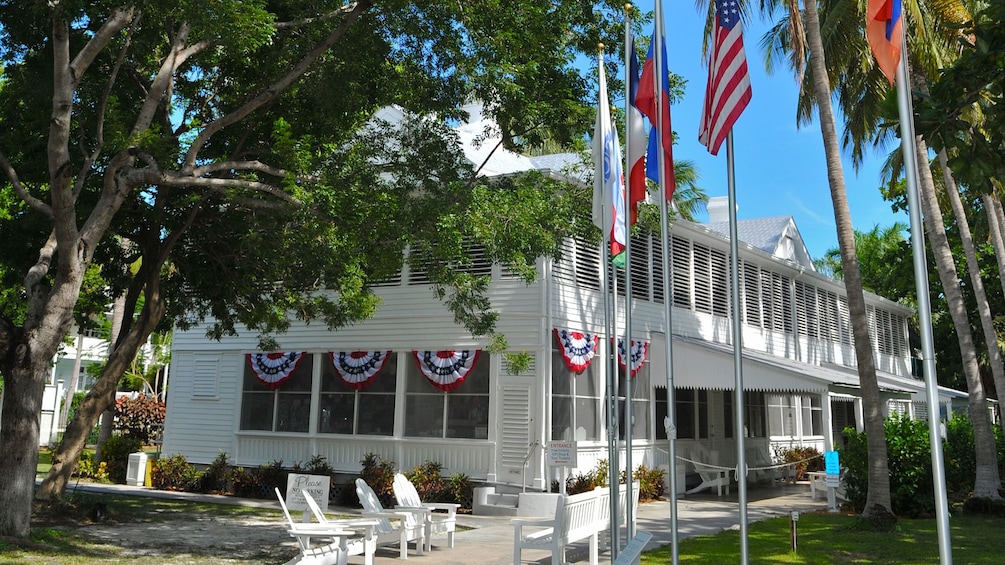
(317, 485)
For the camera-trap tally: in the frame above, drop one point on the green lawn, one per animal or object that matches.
(837, 538)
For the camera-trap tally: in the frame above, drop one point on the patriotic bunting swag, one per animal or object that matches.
(446, 370)
(275, 368)
(639, 351)
(358, 368)
(578, 348)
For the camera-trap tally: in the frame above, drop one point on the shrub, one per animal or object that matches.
(86, 468)
(909, 458)
(318, 465)
(428, 481)
(460, 490)
(379, 474)
(806, 459)
(115, 452)
(217, 477)
(259, 482)
(173, 473)
(139, 417)
(651, 485)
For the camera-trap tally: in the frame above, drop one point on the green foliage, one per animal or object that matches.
(379, 474)
(139, 418)
(173, 473)
(651, 482)
(115, 452)
(806, 459)
(459, 490)
(216, 478)
(86, 469)
(261, 481)
(428, 481)
(909, 460)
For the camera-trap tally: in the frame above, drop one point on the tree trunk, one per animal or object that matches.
(108, 415)
(985, 484)
(22, 403)
(879, 476)
(980, 294)
(102, 394)
(992, 208)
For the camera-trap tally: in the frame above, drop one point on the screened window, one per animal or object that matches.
(575, 401)
(640, 403)
(692, 413)
(368, 411)
(794, 415)
(460, 413)
(285, 409)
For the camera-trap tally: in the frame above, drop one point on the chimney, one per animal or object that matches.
(718, 209)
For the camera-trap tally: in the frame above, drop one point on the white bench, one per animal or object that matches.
(818, 484)
(575, 519)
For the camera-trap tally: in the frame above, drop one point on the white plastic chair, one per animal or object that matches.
(434, 522)
(335, 552)
(393, 526)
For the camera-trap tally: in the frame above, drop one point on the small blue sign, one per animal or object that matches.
(831, 465)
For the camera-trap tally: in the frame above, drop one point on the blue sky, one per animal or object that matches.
(780, 170)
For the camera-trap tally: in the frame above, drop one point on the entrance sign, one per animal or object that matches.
(317, 485)
(831, 465)
(562, 454)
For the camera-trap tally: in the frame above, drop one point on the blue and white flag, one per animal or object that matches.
(608, 181)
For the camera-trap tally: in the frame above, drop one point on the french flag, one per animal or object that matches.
(645, 100)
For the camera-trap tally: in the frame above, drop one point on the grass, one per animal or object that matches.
(839, 538)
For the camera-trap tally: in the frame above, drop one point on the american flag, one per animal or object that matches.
(728, 90)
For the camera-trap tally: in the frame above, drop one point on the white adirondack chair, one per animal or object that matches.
(438, 517)
(364, 540)
(703, 462)
(334, 552)
(393, 526)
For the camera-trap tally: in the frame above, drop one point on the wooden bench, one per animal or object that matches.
(575, 519)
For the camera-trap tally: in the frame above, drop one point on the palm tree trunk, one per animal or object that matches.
(985, 484)
(879, 477)
(992, 208)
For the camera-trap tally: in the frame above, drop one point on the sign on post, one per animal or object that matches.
(317, 485)
(562, 454)
(832, 468)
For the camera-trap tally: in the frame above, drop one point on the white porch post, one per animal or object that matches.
(825, 407)
(859, 415)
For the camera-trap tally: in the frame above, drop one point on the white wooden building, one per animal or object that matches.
(798, 366)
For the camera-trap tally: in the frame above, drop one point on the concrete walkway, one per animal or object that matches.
(488, 540)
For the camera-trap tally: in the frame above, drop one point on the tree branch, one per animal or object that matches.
(32, 202)
(116, 21)
(350, 11)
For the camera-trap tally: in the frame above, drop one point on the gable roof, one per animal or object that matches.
(777, 236)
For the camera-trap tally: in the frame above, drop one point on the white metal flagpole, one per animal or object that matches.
(628, 307)
(670, 422)
(904, 106)
(734, 282)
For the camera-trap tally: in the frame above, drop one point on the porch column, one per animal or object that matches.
(859, 415)
(825, 407)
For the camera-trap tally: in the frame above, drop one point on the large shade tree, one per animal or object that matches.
(228, 151)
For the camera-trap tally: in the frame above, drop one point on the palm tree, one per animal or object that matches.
(805, 36)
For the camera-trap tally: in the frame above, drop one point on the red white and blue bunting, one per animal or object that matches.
(578, 348)
(358, 368)
(640, 349)
(446, 370)
(272, 369)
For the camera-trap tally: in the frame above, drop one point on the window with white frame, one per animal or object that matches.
(461, 412)
(575, 401)
(283, 407)
(794, 415)
(363, 406)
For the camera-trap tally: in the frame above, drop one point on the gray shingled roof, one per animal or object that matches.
(762, 233)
